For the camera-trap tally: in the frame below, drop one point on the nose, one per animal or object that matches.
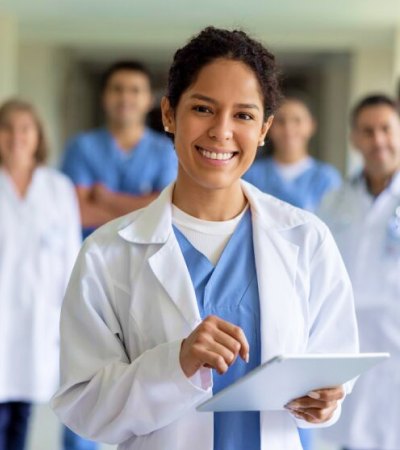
(379, 138)
(221, 128)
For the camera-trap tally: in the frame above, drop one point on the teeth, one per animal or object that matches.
(213, 155)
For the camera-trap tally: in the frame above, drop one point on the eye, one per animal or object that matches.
(201, 109)
(245, 116)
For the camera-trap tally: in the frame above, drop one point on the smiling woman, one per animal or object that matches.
(188, 295)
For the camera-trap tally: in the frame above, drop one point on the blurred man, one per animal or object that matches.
(121, 167)
(124, 165)
(365, 220)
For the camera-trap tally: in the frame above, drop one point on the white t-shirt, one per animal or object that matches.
(209, 238)
(292, 171)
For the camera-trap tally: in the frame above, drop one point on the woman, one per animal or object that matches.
(39, 241)
(291, 174)
(160, 311)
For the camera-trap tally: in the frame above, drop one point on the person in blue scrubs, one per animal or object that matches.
(291, 174)
(122, 166)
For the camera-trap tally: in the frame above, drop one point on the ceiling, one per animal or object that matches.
(162, 25)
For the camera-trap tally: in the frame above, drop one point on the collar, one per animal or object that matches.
(153, 224)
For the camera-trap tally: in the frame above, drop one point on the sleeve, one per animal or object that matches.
(168, 167)
(76, 165)
(73, 230)
(332, 314)
(105, 395)
(333, 180)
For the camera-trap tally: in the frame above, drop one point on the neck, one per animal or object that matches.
(378, 183)
(289, 158)
(215, 205)
(127, 136)
(21, 177)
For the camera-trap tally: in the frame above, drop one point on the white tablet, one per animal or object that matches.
(272, 385)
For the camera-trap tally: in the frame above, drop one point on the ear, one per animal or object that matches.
(264, 130)
(168, 115)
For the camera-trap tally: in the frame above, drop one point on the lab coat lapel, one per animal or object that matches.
(169, 267)
(276, 262)
(154, 227)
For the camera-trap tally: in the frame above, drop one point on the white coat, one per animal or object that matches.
(359, 223)
(40, 238)
(130, 302)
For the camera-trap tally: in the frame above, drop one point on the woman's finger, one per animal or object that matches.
(329, 394)
(237, 334)
(307, 402)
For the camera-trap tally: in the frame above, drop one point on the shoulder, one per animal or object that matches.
(326, 170)
(86, 139)
(55, 179)
(281, 216)
(258, 169)
(158, 141)
(107, 236)
(284, 221)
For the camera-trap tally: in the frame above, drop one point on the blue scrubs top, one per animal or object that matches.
(306, 191)
(95, 157)
(230, 291)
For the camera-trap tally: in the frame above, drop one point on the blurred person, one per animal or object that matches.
(123, 166)
(290, 173)
(161, 312)
(364, 218)
(39, 241)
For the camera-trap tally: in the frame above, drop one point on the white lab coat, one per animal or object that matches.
(130, 302)
(371, 414)
(39, 241)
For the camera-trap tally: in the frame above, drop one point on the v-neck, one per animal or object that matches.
(12, 189)
(126, 154)
(206, 277)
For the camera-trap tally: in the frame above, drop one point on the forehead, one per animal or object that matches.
(128, 77)
(18, 116)
(377, 116)
(293, 107)
(227, 81)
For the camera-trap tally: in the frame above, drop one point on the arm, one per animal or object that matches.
(106, 394)
(117, 203)
(93, 214)
(333, 329)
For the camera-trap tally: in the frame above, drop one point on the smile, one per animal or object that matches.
(215, 156)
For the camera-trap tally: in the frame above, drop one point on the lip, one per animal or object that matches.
(214, 162)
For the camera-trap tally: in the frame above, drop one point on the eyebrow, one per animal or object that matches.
(214, 102)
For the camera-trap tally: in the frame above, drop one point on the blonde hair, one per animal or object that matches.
(18, 105)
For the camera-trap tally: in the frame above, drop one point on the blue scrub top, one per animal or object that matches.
(95, 157)
(306, 191)
(230, 291)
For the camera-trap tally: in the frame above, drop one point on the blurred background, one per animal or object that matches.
(53, 52)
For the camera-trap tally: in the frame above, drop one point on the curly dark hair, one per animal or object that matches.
(214, 43)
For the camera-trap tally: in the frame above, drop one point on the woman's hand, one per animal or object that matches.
(319, 406)
(216, 344)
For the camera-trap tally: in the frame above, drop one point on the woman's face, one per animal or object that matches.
(19, 139)
(218, 124)
(292, 129)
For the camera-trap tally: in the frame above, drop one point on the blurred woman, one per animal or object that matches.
(39, 240)
(291, 174)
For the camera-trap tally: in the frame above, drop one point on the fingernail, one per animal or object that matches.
(314, 395)
(247, 359)
(292, 405)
